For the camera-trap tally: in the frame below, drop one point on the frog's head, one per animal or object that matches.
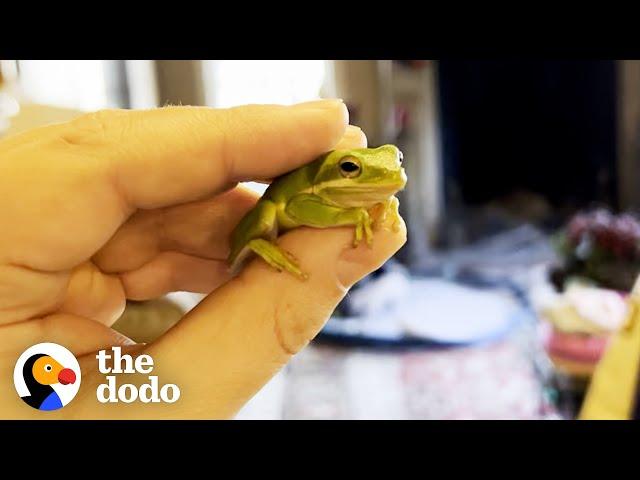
(360, 177)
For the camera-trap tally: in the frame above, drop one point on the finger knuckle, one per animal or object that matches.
(98, 127)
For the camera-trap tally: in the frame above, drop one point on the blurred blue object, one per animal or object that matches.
(395, 309)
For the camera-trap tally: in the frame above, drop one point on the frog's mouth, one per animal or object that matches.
(347, 192)
(361, 195)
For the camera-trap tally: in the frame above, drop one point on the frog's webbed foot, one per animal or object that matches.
(384, 211)
(291, 256)
(276, 257)
(363, 229)
(378, 213)
(393, 211)
(381, 212)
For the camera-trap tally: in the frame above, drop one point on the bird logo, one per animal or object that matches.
(47, 376)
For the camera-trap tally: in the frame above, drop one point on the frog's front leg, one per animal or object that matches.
(310, 210)
(363, 226)
(388, 208)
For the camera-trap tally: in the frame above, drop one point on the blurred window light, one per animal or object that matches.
(229, 83)
(80, 84)
(236, 82)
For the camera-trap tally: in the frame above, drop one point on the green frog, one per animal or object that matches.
(340, 188)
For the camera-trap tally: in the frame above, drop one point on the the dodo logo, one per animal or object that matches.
(47, 376)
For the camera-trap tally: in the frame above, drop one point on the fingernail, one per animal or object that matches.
(353, 133)
(323, 104)
(333, 111)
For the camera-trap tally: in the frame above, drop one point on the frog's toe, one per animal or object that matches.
(368, 234)
(295, 270)
(291, 256)
(358, 236)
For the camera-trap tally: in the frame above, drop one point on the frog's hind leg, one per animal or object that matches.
(257, 233)
(258, 223)
(276, 257)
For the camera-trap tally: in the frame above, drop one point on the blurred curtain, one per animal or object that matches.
(180, 82)
(366, 87)
(374, 90)
(117, 84)
(629, 133)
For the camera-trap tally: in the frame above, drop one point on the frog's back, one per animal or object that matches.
(292, 183)
(263, 221)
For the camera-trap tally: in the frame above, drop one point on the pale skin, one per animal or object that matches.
(136, 204)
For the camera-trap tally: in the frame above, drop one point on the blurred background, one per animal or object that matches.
(523, 238)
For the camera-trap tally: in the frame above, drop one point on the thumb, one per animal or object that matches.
(236, 339)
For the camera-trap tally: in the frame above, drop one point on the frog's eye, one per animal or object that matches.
(400, 156)
(350, 167)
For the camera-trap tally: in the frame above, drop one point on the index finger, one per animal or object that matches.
(177, 154)
(95, 171)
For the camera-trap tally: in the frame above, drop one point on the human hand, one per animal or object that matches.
(120, 205)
